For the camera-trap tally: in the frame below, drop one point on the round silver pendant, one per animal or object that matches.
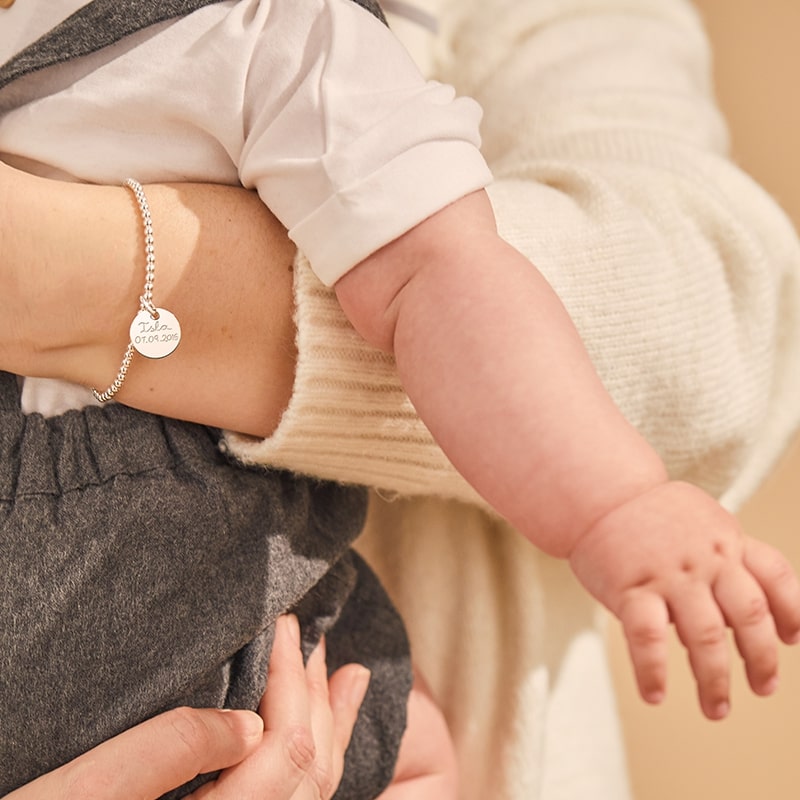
(155, 338)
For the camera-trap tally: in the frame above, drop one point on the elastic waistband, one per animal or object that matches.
(42, 455)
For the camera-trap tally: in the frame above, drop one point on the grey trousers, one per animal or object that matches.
(140, 569)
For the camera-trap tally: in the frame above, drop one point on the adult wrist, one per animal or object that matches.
(75, 272)
(72, 270)
(65, 287)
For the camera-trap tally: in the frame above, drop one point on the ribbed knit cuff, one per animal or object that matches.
(349, 420)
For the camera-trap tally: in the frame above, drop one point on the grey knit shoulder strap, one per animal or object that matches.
(96, 25)
(101, 23)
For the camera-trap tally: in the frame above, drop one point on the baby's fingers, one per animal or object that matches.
(645, 622)
(748, 614)
(702, 630)
(780, 584)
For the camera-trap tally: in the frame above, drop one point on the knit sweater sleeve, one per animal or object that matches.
(612, 175)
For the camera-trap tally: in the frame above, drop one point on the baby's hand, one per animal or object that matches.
(675, 555)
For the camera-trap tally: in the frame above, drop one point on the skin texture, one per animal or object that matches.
(513, 400)
(550, 452)
(296, 745)
(78, 338)
(60, 325)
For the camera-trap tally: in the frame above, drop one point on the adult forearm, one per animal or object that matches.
(73, 269)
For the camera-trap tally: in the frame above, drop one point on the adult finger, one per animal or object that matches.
(327, 771)
(333, 715)
(153, 757)
(343, 696)
(299, 715)
(287, 751)
(286, 706)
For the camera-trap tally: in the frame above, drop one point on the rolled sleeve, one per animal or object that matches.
(352, 147)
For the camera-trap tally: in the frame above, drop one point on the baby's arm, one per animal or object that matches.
(495, 368)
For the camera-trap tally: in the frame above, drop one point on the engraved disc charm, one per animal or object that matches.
(155, 338)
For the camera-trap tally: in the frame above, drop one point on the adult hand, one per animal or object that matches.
(295, 751)
(308, 721)
(153, 757)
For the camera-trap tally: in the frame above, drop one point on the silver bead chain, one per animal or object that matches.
(146, 300)
(116, 384)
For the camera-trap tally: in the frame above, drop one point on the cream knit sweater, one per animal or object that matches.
(612, 175)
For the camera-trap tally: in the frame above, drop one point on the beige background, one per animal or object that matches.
(755, 755)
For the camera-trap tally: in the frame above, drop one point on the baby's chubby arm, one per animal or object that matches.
(495, 368)
(497, 371)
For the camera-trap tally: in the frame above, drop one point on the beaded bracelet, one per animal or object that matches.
(154, 332)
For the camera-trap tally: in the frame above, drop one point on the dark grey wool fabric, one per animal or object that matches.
(140, 569)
